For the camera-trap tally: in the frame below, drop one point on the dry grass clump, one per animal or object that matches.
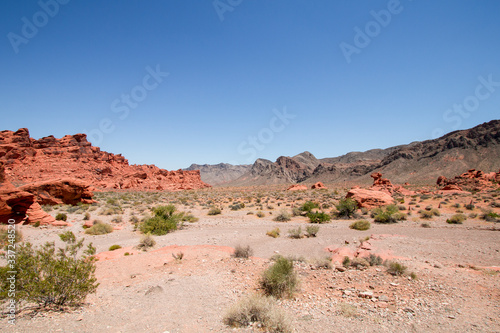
(457, 219)
(279, 279)
(258, 309)
(360, 225)
(99, 228)
(242, 251)
(275, 233)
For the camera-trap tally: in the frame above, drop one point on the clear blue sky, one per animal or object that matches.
(85, 67)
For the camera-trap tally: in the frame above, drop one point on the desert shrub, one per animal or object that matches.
(214, 211)
(364, 211)
(189, 218)
(114, 247)
(387, 214)
(279, 279)
(346, 262)
(48, 276)
(490, 216)
(396, 268)
(133, 219)
(275, 233)
(318, 217)
(322, 263)
(237, 206)
(99, 229)
(295, 233)
(165, 220)
(47, 208)
(283, 216)
(260, 214)
(359, 263)
(360, 225)
(429, 214)
(456, 219)
(258, 309)
(61, 217)
(242, 251)
(469, 206)
(375, 260)
(346, 208)
(472, 215)
(146, 242)
(308, 206)
(86, 216)
(425, 225)
(312, 230)
(117, 219)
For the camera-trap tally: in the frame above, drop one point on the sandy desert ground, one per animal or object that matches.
(455, 285)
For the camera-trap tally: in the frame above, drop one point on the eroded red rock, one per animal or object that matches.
(368, 198)
(28, 160)
(473, 180)
(297, 187)
(60, 191)
(319, 186)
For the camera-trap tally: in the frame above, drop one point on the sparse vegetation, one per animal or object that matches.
(312, 230)
(387, 214)
(318, 217)
(274, 233)
(61, 217)
(396, 268)
(279, 279)
(242, 251)
(346, 208)
(146, 242)
(99, 229)
(295, 233)
(114, 247)
(456, 219)
(258, 309)
(165, 220)
(214, 211)
(283, 216)
(360, 225)
(47, 276)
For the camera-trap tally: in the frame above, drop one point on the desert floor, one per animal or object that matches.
(455, 285)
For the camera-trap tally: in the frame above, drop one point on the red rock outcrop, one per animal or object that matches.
(60, 191)
(369, 198)
(319, 186)
(28, 160)
(297, 188)
(385, 185)
(473, 180)
(18, 205)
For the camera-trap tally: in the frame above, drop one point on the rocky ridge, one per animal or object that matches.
(28, 160)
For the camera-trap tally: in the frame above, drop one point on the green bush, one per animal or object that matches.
(312, 230)
(61, 217)
(388, 214)
(429, 214)
(346, 208)
(456, 219)
(258, 309)
(490, 216)
(52, 277)
(395, 268)
(260, 214)
(308, 206)
(99, 229)
(165, 220)
(375, 260)
(318, 217)
(283, 216)
(279, 279)
(114, 247)
(346, 262)
(360, 225)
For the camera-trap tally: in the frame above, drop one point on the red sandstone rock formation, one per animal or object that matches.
(19, 205)
(474, 180)
(60, 191)
(319, 186)
(297, 188)
(28, 160)
(385, 185)
(369, 198)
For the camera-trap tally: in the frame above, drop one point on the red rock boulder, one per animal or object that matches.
(319, 186)
(297, 187)
(368, 198)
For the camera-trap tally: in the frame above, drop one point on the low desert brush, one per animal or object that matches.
(242, 251)
(279, 279)
(456, 219)
(360, 225)
(312, 230)
(295, 233)
(261, 310)
(275, 233)
(146, 242)
(99, 229)
(283, 216)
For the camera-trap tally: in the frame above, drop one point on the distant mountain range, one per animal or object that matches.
(418, 162)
